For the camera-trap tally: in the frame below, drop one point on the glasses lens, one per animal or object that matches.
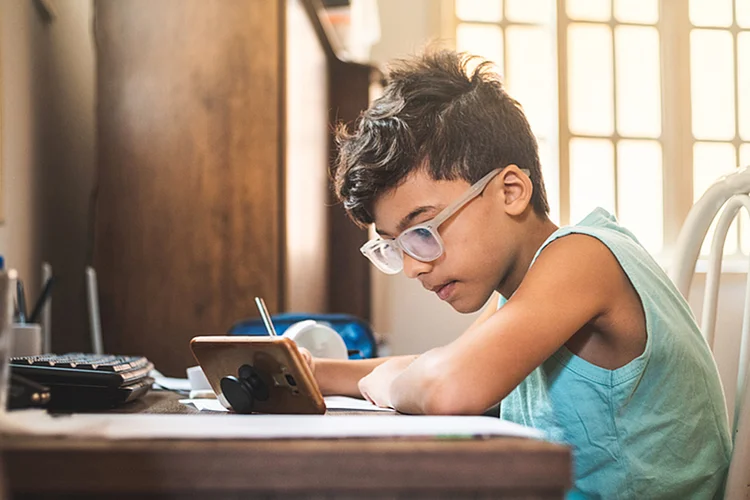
(386, 257)
(421, 243)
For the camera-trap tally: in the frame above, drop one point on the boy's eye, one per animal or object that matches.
(422, 232)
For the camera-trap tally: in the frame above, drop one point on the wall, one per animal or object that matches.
(48, 153)
(728, 324)
(68, 167)
(22, 77)
(406, 27)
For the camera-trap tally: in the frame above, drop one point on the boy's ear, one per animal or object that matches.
(517, 188)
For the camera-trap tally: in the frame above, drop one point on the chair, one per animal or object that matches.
(727, 195)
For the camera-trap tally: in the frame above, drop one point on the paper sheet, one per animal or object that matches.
(154, 426)
(332, 403)
(347, 403)
(170, 383)
(204, 404)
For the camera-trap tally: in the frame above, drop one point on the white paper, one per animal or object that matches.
(347, 403)
(332, 403)
(155, 426)
(207, 404)
(170, 383)
(198, 380)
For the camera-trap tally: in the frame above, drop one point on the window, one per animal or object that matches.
(591, 76)
(517, 35)
(720, 99)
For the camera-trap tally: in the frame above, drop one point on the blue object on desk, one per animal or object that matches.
(356, 333)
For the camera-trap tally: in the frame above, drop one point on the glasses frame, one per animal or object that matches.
(371, 248)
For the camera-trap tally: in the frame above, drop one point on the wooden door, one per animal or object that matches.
(189, 205)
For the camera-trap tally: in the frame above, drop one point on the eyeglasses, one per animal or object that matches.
(422, 242)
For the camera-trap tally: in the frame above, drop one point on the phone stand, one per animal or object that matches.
(245, 389)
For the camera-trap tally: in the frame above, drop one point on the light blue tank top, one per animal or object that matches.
(654, 428)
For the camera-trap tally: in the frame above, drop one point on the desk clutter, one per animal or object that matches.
(81, 382)
(30, 327)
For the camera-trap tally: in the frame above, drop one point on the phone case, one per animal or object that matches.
(292, 388)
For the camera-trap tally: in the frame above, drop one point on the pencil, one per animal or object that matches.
(266, 317)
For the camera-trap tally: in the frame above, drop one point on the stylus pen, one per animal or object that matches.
(266, 317)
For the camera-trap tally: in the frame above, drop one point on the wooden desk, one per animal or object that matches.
(215, 469)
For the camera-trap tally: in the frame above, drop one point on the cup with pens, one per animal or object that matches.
(26, 330)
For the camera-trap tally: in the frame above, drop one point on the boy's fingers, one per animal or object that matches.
(305, 354)
(367, 397)
(361, 385)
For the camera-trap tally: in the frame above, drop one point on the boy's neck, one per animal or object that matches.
(537, 235)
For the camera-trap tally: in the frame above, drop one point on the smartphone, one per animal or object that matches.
(278, 378)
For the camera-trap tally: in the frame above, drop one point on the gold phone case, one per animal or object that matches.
(291, 384)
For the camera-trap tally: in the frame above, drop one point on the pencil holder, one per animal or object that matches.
(27, 339)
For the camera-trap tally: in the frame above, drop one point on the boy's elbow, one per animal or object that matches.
(437, 405)
(446, 396)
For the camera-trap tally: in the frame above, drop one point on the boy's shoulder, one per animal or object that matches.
(579, 290)
(597, 253)
(575, 262)
(576, 276)
(600, 253)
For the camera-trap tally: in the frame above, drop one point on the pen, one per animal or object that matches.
(21, 297)
(43, 296)
(266, 317)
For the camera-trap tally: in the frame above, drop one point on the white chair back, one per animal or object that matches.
(727, 195)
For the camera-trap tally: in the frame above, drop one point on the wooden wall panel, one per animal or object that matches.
(189, 208)
(349, 271)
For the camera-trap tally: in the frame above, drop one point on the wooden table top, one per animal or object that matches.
(437, 468)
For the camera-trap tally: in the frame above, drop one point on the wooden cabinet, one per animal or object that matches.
(213, 146)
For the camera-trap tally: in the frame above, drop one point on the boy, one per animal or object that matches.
(594, 344)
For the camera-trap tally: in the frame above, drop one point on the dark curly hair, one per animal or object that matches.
(434, 114)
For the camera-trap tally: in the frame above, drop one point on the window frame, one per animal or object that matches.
(676, 139)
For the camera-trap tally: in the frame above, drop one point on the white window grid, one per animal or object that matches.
(683, 167)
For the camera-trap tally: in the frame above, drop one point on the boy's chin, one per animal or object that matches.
(464, 305)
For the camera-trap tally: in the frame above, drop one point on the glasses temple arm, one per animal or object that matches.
(470, 194)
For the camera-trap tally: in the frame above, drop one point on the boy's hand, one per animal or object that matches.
(376, 386)
(342, 376)
(308, 357)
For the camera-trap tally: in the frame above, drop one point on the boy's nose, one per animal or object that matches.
(414, 267)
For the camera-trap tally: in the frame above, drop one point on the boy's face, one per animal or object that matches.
(479, 240)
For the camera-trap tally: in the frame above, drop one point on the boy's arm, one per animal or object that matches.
(489, 310)
(573, 281)
(341, 377)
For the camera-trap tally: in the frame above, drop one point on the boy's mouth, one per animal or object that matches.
(445, 291)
